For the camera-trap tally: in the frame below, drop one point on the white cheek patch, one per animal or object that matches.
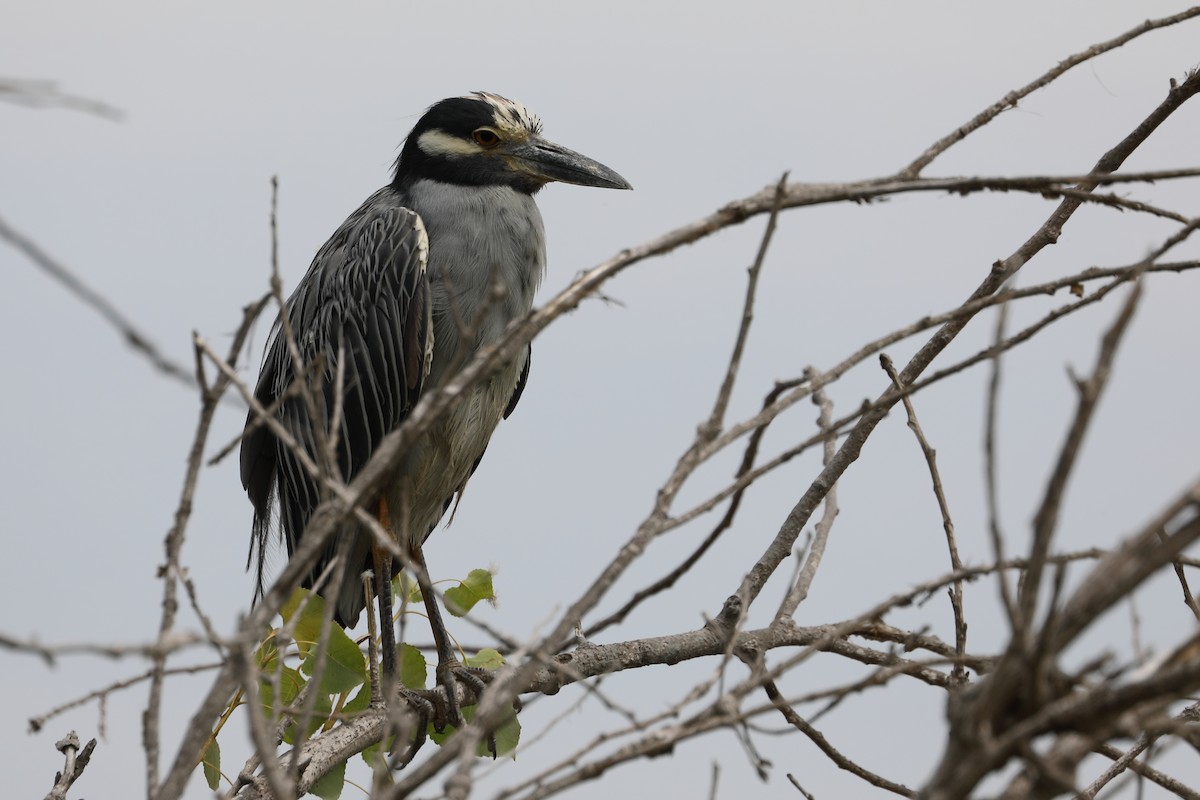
(439, 143)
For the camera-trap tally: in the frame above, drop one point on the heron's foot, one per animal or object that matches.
(449, 674)
(440, 707)
(475, 680)
(425, 710)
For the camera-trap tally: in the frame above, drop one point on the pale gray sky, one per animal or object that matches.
(165, 213)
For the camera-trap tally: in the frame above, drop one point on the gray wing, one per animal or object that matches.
(521, 381)
(366, 296)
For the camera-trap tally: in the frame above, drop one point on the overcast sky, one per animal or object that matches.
(165, 213)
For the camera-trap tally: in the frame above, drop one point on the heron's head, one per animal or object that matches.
(484, 139)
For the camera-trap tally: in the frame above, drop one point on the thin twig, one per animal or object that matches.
(170, 571)
(1126, 566)
(939, 492)
(991, 457)
(801, 389)
(135, 338)
(1176, 787)
(792, 779)
(1011, 99)
(279, 782)
(1116, 768)
(1046, 519)
(1020, 694)
(886, 400)
(711, 429)
(817, 738)
(1188, 598)
(816, 551)
(46, 94)
(849, 451)
(49, 653)
(100, 695)
(717, 417)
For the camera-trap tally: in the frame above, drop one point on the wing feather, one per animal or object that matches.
(365, 299)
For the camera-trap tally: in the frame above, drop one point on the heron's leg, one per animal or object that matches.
(368, 580)
(448, 665)
(383, 590)
(418, 700)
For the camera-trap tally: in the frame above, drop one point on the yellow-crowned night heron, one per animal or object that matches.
(400, 298)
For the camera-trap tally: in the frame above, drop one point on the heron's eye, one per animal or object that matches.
(485, 137)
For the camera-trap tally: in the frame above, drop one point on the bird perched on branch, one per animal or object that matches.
(426, 273)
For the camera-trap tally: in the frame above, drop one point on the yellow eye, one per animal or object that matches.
(486, 137)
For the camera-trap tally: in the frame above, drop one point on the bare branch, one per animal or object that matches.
(534, 667)
(716, 419)
(135, 338)
(46, 94)
(709, 430)
(1047, 234)
(956, 603)
(1145, 770)
(277, 780)
(101, 695)
(171, 572)
(1011, 99)
(990, 463)
(1046, 519)
(1188, 598)
(1122, 569)
(1020, 700)
(799, 390)
(75, 760)
(817, 738)
(812, 562)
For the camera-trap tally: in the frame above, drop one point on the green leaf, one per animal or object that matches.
(267, 654)
(345, 666)
(359, 702)
(414, 671)
(404, 586)
(371, 755)
(290, 684)
(307, 627)
(329, 787)
(477, 586)
(320, 715)
(508, 734)
(212, 764)
(487, 658)
(447, 732)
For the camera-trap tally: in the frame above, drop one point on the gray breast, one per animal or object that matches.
(477, 237)
(480, 239)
